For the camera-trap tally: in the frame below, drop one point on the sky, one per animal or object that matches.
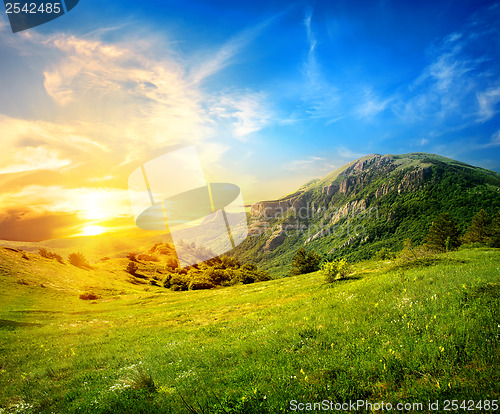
(272, 94)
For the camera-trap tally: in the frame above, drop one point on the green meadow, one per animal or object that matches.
(412, 332)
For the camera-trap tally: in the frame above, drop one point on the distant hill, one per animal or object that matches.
(373, 202)
(93, 247)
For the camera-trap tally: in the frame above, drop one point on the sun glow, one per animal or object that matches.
(94, 202)
(92, 230)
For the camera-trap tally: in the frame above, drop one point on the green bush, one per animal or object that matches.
(336, 270)
(384, 254)
(304, 262)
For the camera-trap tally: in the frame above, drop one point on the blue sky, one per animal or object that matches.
(272, 93)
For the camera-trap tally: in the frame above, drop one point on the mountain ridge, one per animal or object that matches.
(388, 197)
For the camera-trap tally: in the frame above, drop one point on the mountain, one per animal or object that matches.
(374, 202)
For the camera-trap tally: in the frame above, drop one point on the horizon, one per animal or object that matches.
(273, 95)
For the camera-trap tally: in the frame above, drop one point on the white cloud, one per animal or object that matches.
(371, 105)
(226, 54)
(494, 141)
(487, 100)
(423, 141)
(247, 112)
(35, 158)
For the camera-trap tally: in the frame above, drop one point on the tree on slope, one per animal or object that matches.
(479, 229)
(495, 230)
(304, 262)
(444, 234)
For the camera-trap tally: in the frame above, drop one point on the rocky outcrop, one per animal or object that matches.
(330, 189)
(276, 209)
(351, 209)
(413, 180)
(383, 190)
(275, 239)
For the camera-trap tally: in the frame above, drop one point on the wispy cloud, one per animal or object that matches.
(311, 165)
(247, 112)
(459, 86)
(321, 99)
(494, 141)
(35, 158)
(372, 105)
(227, 53)
(488, 100)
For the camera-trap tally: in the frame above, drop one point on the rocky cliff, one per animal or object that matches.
(377, 200)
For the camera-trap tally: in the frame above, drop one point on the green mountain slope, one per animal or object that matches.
(373, 202)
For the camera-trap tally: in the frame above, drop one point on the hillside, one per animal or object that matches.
(409, 332)
(374, 202)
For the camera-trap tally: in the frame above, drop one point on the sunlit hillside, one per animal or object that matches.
(392, 331)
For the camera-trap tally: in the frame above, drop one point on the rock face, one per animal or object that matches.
(374, 176)
(413, 180)
(330, 189)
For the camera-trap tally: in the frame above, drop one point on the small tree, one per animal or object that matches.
(78, 260)
(495, 230)
(304, 262)
(479, 229)
(131, 268)
(336, 270)
(444, 234)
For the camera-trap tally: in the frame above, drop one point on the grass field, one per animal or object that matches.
(428, 330)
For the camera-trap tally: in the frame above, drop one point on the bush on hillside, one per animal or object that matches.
(89, 296)
(50, 255)
(384, 254)
(411, 253)
(219, 271)
(336, 270)
(132, 268)
(78, 260)
(304, 262)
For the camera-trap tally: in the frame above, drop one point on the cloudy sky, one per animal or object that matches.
(272, 94)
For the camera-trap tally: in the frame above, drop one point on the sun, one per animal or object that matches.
(93, 206)
(92, 230)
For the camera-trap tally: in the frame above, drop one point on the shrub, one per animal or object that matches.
(200, 281)
(44, 253)
(384, 254)
(304, 262)
(411, 253)
(142, 379)
(89, 296)
(78, 260)
(336, 270)
(50, 255)
(172, 263)
(131, 268)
